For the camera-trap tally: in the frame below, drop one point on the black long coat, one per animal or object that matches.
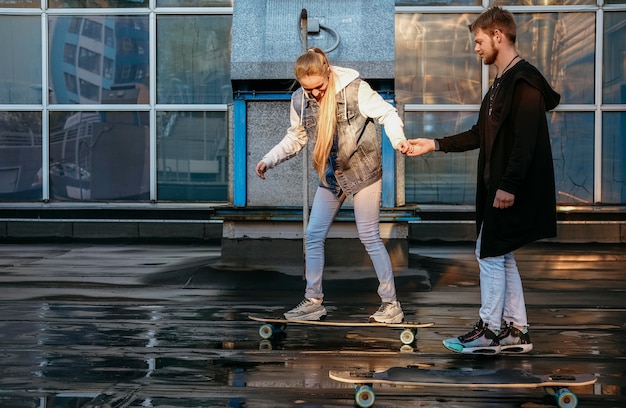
(520, 163)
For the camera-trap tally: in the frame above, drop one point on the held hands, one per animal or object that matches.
(261, 168)
(403, 146)
(417, 147)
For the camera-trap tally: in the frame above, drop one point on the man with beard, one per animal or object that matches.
(515, 195)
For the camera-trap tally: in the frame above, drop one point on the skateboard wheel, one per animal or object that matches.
(364, 396)
(407, 336)
(266, 331)
(565, 398)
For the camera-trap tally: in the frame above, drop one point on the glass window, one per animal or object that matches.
(99, 156)
(439, 178)
(20, 156)
(193, 59)
(194, 3)
(451, 178)
(92, 29)
(614, 64)
(89, 60)
(438, 2)
(112, 56)
(192, 154)
(97, 3)
(20, 65)
(562, 47)
(572, 136)
(541, 2)
(20, 3)
(435, 61)
(613, 158)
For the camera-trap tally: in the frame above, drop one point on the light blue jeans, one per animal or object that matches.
(367, 215)
(501, 291)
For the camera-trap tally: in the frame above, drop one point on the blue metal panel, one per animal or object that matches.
(389, 172)
(240, 148)
(389, 168)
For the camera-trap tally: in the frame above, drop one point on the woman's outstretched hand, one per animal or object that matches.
(261, 168)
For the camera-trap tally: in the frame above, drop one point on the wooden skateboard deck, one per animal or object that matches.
(273, 325)
(554, 384)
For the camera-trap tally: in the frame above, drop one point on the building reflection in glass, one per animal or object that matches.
(103, 155)
(94, 54)
(20, 156)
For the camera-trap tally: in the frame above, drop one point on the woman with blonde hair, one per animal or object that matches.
(340, 113)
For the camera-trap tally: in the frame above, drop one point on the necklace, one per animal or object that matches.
(496, 84)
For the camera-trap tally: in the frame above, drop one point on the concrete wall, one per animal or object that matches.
(266, 37)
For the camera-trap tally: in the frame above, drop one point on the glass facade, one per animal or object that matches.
(127, 100)
(440, 80)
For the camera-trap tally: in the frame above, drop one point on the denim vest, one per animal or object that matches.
(355, 161)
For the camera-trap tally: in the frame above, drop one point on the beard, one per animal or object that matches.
(490, 58)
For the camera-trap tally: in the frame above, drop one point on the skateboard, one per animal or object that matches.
(554, 384)
(272, 326)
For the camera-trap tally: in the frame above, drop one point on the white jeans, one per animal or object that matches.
(501, 291)
(367, 215)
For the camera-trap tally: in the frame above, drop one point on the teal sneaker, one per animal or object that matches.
(481, 340)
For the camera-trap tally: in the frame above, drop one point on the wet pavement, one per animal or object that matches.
(136, 325)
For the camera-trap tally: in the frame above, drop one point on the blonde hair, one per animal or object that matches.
(314, 62)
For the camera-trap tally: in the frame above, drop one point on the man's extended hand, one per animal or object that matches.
(420, 146)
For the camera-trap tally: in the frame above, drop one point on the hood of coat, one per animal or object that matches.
(345, 76)
(533, 76)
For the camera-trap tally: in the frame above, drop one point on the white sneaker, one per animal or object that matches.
(308, 309)
(388, 312)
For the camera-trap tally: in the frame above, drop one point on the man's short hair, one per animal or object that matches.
(495, 18)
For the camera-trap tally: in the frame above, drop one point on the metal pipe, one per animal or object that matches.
(304, 32)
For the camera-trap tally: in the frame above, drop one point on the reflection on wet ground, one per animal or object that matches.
(166, 326)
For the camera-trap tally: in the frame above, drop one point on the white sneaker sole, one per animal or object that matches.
(311, 316)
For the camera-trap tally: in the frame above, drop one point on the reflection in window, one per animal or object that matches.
(109, 37)
(571, 134)
(89, 60)
(107, 67)
(89, 90)
(70, 83)
(438, 2)
(194, 3)
(98, 156)
(20, 63)
(97, 3)
(20, 3)
(614, 81)
(614, 158)
(192, 150)
(435, 61)
(20, 156)
(92, 29)
(121, 61)
(193, 59)
(74, 27)
(546, 3)
(561, 46)
(69, 54)
(439, 178)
